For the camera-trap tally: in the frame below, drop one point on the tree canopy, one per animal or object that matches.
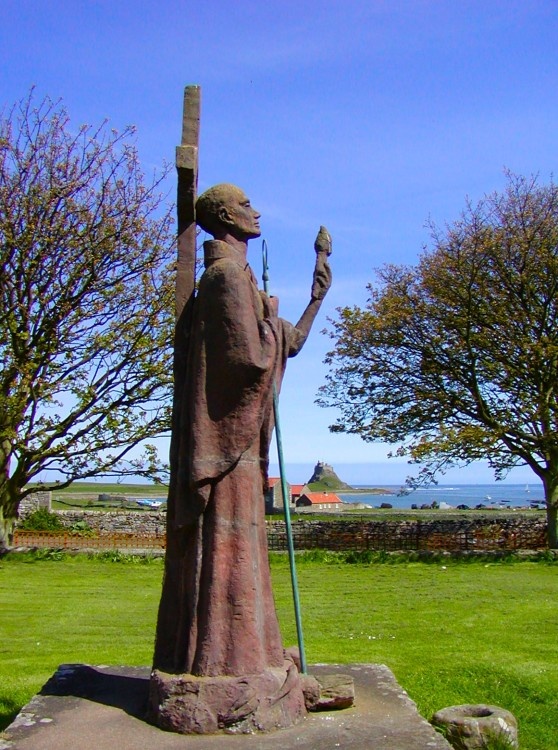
(86, 305)
(456, 358)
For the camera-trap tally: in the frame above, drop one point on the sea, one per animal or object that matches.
(493, 495)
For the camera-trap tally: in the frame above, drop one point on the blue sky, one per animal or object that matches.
(368, 117)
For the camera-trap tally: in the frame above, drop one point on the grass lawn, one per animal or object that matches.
(84, 495)
(112, 488)
(452, 632)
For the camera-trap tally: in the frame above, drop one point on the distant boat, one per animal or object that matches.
(527, 490)
(488, 497)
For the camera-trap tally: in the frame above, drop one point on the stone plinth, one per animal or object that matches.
(103, 708)
(189, 704)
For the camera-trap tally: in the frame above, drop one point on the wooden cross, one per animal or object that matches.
(187, 168)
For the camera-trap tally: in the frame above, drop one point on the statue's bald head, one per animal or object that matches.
(224, 208)
(209, 204)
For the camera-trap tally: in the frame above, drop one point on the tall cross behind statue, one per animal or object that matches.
(187, 168)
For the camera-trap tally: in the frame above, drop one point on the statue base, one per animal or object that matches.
(103, 708)
(189, 704)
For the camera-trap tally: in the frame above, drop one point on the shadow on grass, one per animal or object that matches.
(8, 712)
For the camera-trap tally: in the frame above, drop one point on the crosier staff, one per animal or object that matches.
(323, 250)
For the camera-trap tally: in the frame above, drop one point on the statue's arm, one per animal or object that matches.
(321, 283)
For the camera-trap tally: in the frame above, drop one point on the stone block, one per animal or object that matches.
(474, 726)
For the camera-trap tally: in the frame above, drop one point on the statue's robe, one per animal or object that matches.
(217, 614)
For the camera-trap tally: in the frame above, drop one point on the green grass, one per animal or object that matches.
(406, 514)
(326, 485)
(84, 495)
(112, 488)
(452, 631)
(87, 503)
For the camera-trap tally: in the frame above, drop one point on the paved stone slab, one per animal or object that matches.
(102, 708)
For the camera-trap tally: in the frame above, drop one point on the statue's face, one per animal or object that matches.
(242, 218)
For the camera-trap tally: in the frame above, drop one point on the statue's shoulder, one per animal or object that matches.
(223, 268)
(226, 268)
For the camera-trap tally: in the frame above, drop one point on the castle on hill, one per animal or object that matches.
(325, 475)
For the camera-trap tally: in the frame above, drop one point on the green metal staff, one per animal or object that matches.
(286, 508)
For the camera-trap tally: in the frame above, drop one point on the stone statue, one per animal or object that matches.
(219, 660)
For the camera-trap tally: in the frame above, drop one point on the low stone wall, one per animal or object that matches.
(459, 534)
(34, 501)
(140, 523)
(464, 534)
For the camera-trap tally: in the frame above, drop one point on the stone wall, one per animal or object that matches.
(35, 501)
(508, 533)
(141, 523)
(465, 534)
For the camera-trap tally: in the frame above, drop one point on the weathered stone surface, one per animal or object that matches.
(472, 726)
(292, 652)
(311, 691)
(326, 692)
(458, 534)
(336, 691)
(465, 534)
(203, 705)
(34, 501)
(102, 708)
(152, 522)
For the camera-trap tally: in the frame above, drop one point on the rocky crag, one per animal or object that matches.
(325, 476)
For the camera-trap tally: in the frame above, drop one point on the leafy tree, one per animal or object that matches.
(85, 302)
(456, 359)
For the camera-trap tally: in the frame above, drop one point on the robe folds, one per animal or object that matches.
(217, 614)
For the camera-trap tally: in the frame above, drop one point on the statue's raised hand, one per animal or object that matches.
(323, 242)
(322, 272)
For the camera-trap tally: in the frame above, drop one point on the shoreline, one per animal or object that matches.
(366, 491)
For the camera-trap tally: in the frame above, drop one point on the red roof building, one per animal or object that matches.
(319, 501)
(274, 496)
(297, 490)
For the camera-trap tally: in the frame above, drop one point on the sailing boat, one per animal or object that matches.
(527, 490)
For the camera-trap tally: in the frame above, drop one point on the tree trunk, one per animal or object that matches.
(551, 496)
(8, 517)
(552, 521)
(8, 505)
